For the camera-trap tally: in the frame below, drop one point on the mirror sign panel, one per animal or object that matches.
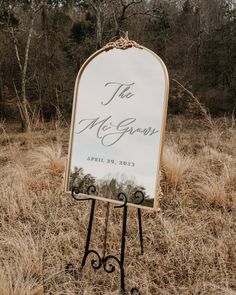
(118, 122)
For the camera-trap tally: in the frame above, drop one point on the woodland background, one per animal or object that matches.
(189, 246)
(44, 43)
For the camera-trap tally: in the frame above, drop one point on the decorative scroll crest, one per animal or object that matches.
(122, 43)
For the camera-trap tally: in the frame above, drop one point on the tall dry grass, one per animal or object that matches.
(189, 246)
(176, 166)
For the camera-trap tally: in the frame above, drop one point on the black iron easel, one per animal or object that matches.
(105, 260)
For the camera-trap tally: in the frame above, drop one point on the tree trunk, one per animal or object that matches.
(97, 7)
(1, 94)
(24, 102)
(1, 87)
(99, 26)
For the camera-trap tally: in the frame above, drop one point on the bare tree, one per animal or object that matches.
(125, 5)
(23, 62)
(98, 9)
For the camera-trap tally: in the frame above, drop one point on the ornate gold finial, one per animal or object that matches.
(122, 43)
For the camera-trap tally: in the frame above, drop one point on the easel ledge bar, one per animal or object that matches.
(116, 202)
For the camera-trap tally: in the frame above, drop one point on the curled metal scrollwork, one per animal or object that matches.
(75, 194)
(138, 199)
(139, 196)
(109, 267)
(76, 190)
(123, 198)
(91, 190)
(95, 263)
(135, 291)
(99, 261)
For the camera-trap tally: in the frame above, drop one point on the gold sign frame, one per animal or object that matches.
(121, 44)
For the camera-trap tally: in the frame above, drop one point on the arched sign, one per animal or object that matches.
(118, 122)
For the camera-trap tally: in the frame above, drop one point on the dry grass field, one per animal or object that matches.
(190, 246)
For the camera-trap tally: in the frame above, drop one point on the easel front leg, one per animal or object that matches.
(122, 255)
(86, 250)
(140, 230)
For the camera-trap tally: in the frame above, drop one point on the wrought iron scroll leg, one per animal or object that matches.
(140, 230)
(122, 254)
(90, 225)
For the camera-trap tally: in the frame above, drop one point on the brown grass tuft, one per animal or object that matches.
(175, 166)
(49, 157)
(213, 189)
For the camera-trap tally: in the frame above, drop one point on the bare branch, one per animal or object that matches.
(12, 33)
(201, 108)
(91, 2)
(126, 5)
(147, 13)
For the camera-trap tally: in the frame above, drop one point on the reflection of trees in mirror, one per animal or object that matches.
(109, 188)
(81, 180)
